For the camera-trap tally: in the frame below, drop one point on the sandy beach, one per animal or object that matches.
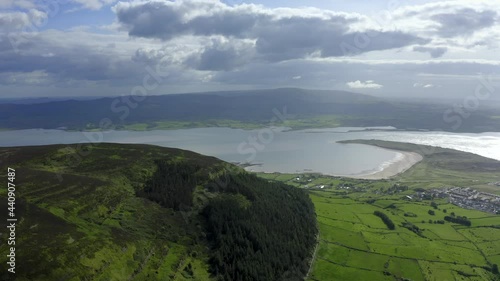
(404, 161)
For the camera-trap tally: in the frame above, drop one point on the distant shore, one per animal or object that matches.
(404, 161)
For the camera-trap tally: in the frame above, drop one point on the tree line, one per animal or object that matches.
(385, 219)
(458, 219)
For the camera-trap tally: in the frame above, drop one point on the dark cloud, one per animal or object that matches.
(42, 52)
(218, 59)
(435, 52)
(296, 37)
(279, 34)
(464, 22)
(228, 23)
(165, 20)
(221, 56)
(362, 42)
(152, 20)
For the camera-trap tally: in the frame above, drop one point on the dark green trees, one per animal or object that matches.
(257, 230)
(385, 219)
(171, 185)
(269, 236)
(458, 219)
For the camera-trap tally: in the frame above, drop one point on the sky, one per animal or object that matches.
(389, 48)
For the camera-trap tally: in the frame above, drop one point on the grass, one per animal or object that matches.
(322, 121)
(296, 123)
(176, 125)
(353, 238)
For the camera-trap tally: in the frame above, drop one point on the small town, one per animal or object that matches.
(466, 198)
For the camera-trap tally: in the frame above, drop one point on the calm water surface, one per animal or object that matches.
(275, 149)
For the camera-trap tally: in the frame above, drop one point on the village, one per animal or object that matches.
(465, 197)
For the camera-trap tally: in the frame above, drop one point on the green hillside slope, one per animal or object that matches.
(138, 212)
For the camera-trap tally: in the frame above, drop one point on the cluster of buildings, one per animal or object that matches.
(466, 198)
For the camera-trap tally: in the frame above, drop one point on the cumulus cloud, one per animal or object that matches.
(279, 34)
(65, 56)
(369, 84)
(19, 21)
(167, 19)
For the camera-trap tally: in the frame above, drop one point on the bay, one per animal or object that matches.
(276, 149)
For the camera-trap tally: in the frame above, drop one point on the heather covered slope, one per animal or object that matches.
(138, 212)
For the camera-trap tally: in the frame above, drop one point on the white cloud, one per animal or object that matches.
(426, 86)
(369, 84)
(21, 21)
(94, 4)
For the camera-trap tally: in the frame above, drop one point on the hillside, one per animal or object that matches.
(296, 108)
(138, 212)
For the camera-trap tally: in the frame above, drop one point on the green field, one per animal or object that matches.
(354, 240)
(295, 123)
(356, 245)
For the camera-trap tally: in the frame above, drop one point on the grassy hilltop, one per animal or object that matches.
(139, 212)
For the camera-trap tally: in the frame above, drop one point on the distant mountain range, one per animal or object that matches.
(252, 106)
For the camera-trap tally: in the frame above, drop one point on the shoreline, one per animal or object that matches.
(404, 161)
(400, 164)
